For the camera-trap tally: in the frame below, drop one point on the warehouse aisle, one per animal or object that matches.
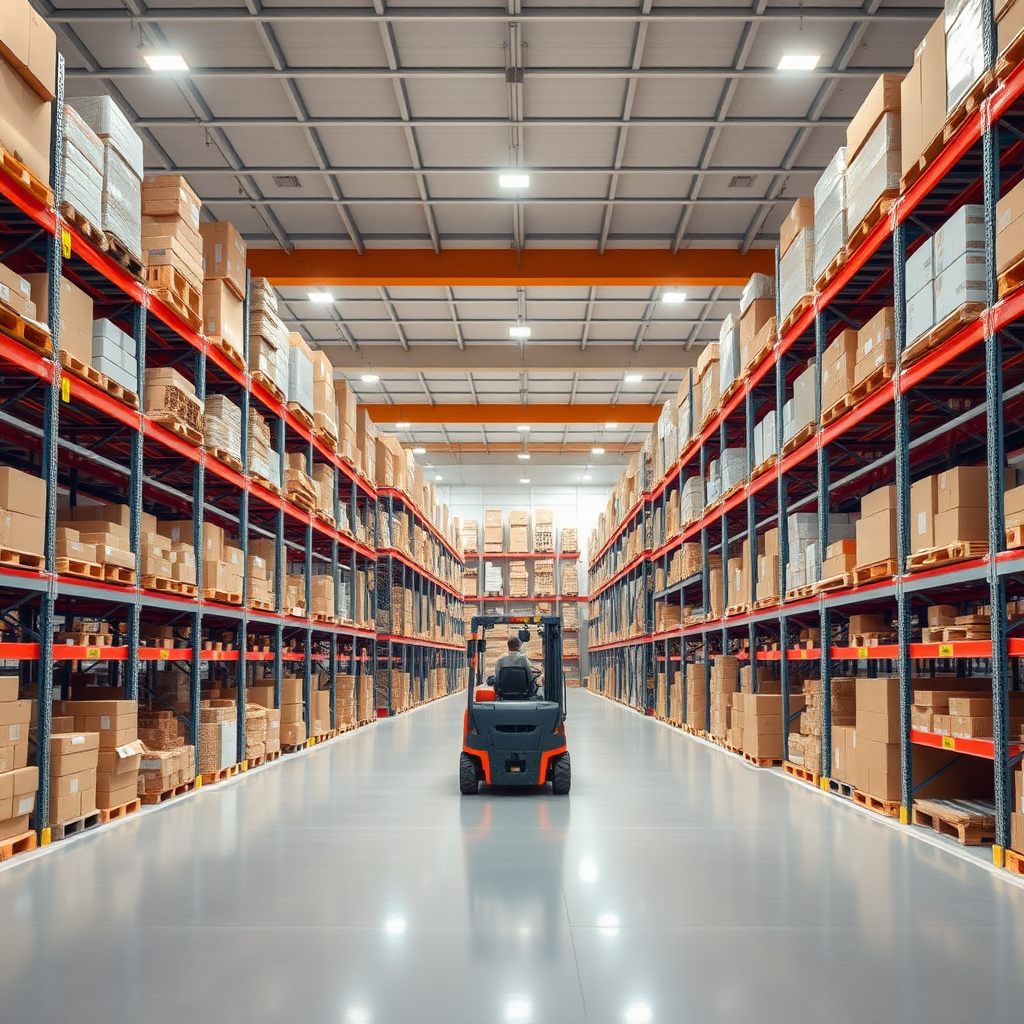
(355, 886)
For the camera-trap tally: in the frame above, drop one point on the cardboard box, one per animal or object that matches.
(878, 696)
(876, 344)
(963, 281)
(920, 312)
(293, 733)
(963, 232)
(223, 313)
(224, 255)
(116, 721)
(73, 752)
(76, 314)
(8, 689)
(883, 98)
(876, 537)
(800, 216)
(883, 498)
(923, 96)
(923, 506)
(837, 366)
(26, 122)
(22, 492)
(1010, 225)
(961, 524)
(16, 291)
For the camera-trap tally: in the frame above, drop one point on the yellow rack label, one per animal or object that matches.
(948, 743)
(164, 655)
(862, 652)
(65, 388)
(945, 650)
(92, 652)
(65, 243)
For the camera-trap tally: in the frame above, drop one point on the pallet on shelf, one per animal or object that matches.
(831, 270)
(969, 822)
(223, 596)
(177, 292)
(930, 152)
(162, 583)
(946, 554)
(841, 582)
(29, 181)
(119, 574)
(63, 829)
(267, 382)
(76, 567)
(871, 639)
(803, 304)
(798, 771)
(879, 210)
(98, 380)
(124, 257)
(940, 332)
(840, 788)
(878, 378)
(804, 434)
(301, 415)
(229, 352)
(801, 593)
(121, 811)
(28, 332)
(83, 225)
(1015, 536)
(965, 107)
(24, 842)
(211, 778)
(168, 794)
(887, 808)
(21, 559)
(1012, 278)
(875, 571)
(179, 427)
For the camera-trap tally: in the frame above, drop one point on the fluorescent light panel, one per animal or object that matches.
(632, 378)
(514, 179)
(166, 61)
(369, 378)
(321, 297)
(799, 62)
(519, 331)
(673, 298)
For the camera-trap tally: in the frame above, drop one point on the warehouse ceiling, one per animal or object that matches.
(366, 125)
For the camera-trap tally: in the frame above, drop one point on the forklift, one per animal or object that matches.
(512, 735)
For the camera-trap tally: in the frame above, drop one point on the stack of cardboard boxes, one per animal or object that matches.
(268, 338)
(105, 532)
(171, 238)
(18, 783)
(224, 256)
(325, 398)
(222, 427)
(115, 354)
(171, 400)
(725, 680)
(568, 540)
(356, 430)
(949, 507)
(494, 534)
(796, 266)
(116, 722)
(83, 169)
(757, 320)
(876, 528)
(74, 759)
(873, 161)
(218, 735)
(76, 313)
(518, 531)
(300, 376)
(830, 224)
(22, 511)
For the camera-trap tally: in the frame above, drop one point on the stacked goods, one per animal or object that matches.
(691, 504)
(350, 431)
(298, 485)
(728, 352)
(796, 265)
(18, 783)
(873, 161)
(923, 101)
(218, 735)
(366, 430)
(931, 711)
(876, 347)
(493, 581)
(345, 711)
(295, 595)
(115, 354)
(222, 429)
(300, 378)
(164, 769)
(570, 618)
(725, 678)
(837, 369)
(844, 696)
(268, 339)
(22, 508)
(224, 315)
(224, 256)
(568, 540)
(965, 51)
(543, 530)
(668, 436)
(256, 732)
(83, 171)
(696, 696)
(876, 528)
(948, 508)
(172, 243)
(28, 75)
(493, 532)
(322, 586)
(830, 223)
(798, 414)
(707, 382)
(116, 722)
(757, 311)
(259, 589)
(171, 400)
(1010, 227)
(766, 439)
(74, 759)
(544, 578)
(16, 294)
(519, 530)
(259, 451)
(122, 171)
(470, 536)
(106, 528)
(320, 712)
(763, 722)
(840, 558)
(732, 468)
(76, 310)
(325, 399)
(324, 480)
(172, 542)
(570, 580)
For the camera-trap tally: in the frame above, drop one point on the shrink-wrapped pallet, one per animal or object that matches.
(830, 221)
(83, 168)
(300, 373)
(796, 272)
(223, 425)
(875, 171)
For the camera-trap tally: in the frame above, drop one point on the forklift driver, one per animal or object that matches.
(515, 656)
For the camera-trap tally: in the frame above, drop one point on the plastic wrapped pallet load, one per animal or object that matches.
(115, 354)
(965, 48)
(830, 221)
(728, 352)
(300, 374)
(122, 169)
(223, 425)
(325, 400)
(874, 173)
(83, 168)
(797, 272)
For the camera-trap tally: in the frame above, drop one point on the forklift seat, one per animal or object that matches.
(514, 683)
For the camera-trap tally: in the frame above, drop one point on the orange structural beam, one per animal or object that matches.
(529, 414)
(489, 267)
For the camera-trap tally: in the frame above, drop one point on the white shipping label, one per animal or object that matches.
(78, 741)
(218, 253)
(868, 345)
(104, 722)
(126, 751)
(25, 805)
(15, 733)
(194, 211)
(5, 293)
(922, 522)
(74, 785)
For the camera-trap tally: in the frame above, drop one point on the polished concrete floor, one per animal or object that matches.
(354, 885)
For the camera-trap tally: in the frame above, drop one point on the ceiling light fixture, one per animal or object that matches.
(320, 297)
(404, 425)
(597, 451)
(165, 61)
(524, 480)
(523, 428)
(519, 331)
(632, 378)
(437, 478)
(523, 456)
(514, 179)
(611, 426)
(586, 476)
(673, 298)
(369, 378)
(799, 62)
(419, 451)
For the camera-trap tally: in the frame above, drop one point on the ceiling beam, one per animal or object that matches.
(490, 267)
(534, 414)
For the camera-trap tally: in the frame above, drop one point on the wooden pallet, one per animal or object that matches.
(294, 748)
(178, 293)
(328, 439)
(261, 606)
(318, 617)
(803, 435)
(211, 778)
(734, 387)
(966, 106)
(76, 567)
(879, 211)
(118, 574)
(121, 811)
(72, 828)
(24, 842)
(28, 332)
(738, 609)
(301, 500)
(951, 634)
(1011, 278)
(933, 558)
(231, 354)
(801, 593)
(875, 571)
(1013, 860)
(961, 316)
(841, 582)
(162, 583)
(264, 482)
(183, 430)
(931, 151)
(1015, 536)
(17, 170)
(762, 762)
(168, 794)
(871, 639)
(1008, 60)
(831, 270)
(124, 257)
(840, 788)
(227, 458)
(887, 808)
(262, 379)
(803, 304)
(224, 596)
(768, 464)
(21, 559)
(82, 639)
(969, 822)
(326, 517)
(798, 771)
(98, 380)
(85, 227)
(301, 415)
(869, 385)
(765, 602)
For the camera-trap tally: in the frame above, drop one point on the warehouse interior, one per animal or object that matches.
(344, 348)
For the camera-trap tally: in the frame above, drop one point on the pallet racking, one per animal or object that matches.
(957, 403)
(82, 438)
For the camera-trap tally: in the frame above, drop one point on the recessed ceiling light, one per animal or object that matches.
(597, 451)
(166, 61)
(404, 425)
(523, 428)
(611, 426)
(632, 378)
(419, 451)
(523, 456)
(437, 478)
(586, 476)
(799, 62)
(514, 179)
(369, 378)
(673, 298)
(524, 480)
(323, 298)
(519, 331)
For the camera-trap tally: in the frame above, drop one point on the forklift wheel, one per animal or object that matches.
(468, 782)
(561, 776)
